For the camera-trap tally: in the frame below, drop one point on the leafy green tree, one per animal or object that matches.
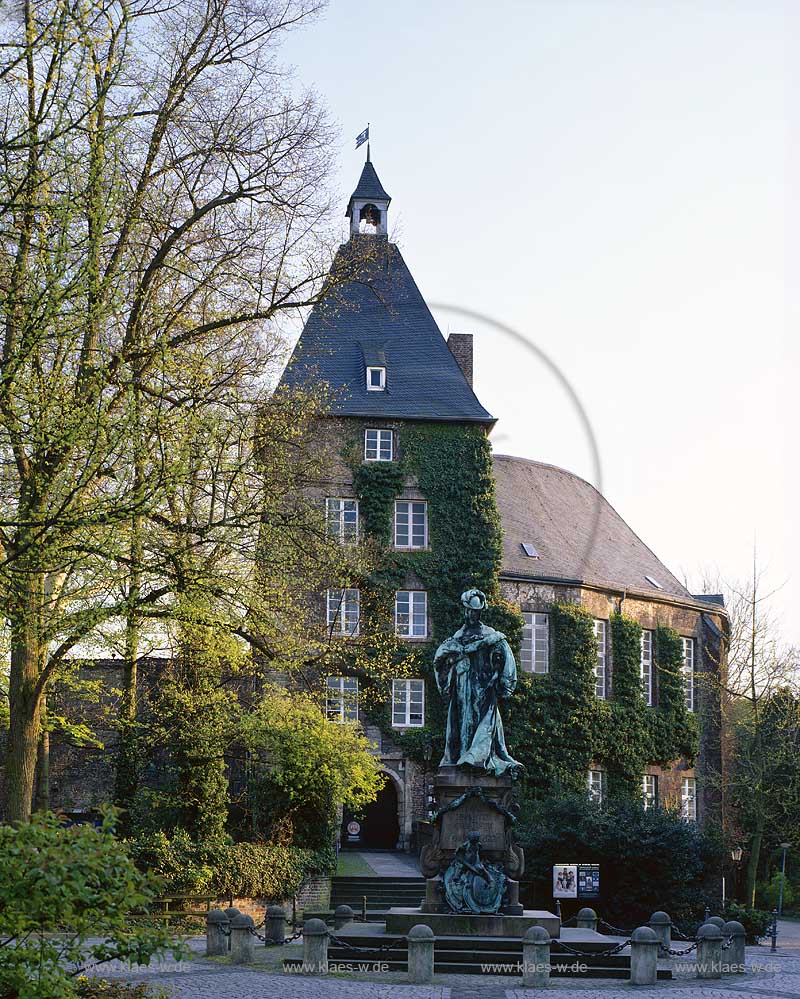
(61, 889)
(304, 766)
(158, 199)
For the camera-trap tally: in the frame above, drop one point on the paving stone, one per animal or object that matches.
(777, 976)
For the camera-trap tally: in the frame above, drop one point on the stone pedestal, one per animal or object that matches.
(468, 801)
(453, 924)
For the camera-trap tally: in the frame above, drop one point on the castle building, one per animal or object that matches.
(403, 413)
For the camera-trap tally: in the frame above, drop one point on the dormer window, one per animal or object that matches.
(376, 379)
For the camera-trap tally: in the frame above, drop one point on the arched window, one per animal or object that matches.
(370, 218)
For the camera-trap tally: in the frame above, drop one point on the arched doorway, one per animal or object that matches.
(378, 825)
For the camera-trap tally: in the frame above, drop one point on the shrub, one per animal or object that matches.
(649, 858)
(224, 868)
(755, 921)
(59, 888)
(769, 893)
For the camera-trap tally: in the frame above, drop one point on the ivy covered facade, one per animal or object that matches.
(617, 660)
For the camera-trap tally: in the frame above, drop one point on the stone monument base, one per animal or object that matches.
(467, 924)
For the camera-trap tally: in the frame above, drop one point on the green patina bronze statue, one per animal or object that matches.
(470, 885)
(475, 668)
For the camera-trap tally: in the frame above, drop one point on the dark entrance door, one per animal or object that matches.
(379, 828)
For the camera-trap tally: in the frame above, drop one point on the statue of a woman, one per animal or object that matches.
(475, 669)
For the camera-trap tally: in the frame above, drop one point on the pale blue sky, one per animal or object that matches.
(612, 179)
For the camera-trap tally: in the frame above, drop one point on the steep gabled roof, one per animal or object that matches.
(380, 317)
(577, 534)
(369, 187)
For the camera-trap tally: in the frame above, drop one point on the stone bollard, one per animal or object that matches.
(716, 921)
(231, 912)
(217, 925)
(420, 954)
(536, 958)
(586, 919)
(315, 947)
(734, 965)
(644, 956)
(242, 939)
(343, 915)
(709, 951)
(661, 925)
(276, 924)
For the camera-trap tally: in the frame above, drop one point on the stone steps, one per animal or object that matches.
(470, 956)
(381, 893)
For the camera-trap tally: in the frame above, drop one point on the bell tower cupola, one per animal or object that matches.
(369, 204)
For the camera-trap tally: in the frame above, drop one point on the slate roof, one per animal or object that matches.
(368, 187)
(381, 317)
(579, 536)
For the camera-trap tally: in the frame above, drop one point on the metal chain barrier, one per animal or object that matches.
(592, 953)
(267, 941)
(669, 952)
(378, 950)
(678, 932)
(572, 919)
(614, 929)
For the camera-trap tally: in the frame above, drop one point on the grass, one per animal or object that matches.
(353, 865)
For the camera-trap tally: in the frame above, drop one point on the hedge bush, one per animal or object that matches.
(649, 859)
(242, 870)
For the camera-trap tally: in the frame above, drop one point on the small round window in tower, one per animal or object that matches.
(370, 218)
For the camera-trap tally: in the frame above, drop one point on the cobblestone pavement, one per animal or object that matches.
(771, 976)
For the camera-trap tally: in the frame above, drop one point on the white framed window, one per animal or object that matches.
(647, 667)
(408, 703)
(689, 799)
(534, 652)
(601, 667)
(688, 671)
(341, 517)
(597, 786)
(410, 524)
(341, 699)
(378, 445)
(411, 613)
(344, 608)
(376, 379)
(650, 790)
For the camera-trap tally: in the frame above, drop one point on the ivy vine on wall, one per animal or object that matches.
(555, 725)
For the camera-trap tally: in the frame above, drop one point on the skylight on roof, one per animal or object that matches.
(529, 550)
(654, 582)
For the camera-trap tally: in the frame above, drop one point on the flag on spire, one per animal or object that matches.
(363, 137)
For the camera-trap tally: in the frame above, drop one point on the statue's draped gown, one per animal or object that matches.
(483, 671)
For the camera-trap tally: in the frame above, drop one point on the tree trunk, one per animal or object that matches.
(43, 768)
(23, 733)
(752, 864)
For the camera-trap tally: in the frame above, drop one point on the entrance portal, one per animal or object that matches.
(378, 826)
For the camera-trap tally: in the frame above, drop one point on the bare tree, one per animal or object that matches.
(759, 697)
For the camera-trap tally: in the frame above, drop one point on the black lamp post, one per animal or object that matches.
(736, 857)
